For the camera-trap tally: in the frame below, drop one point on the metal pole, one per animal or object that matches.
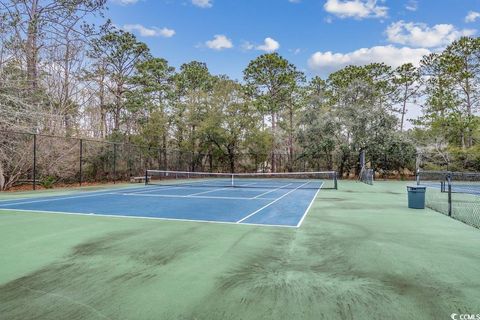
(128, 147)
(114, 163)
(146, 177)
(81, 161)
(449, 197)
(192, 159)
(34, 161)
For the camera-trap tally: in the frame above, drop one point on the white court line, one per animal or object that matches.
(245, 185)
(182, 186)
(272, 191)
(66, 192)
(226, 188)
(55, 199)
(168, 187)
(203, 192)
(149, 218)
(268, 205)
(309, 206)
(187, 196)
(46, 199)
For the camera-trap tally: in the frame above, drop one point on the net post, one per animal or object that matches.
(335, 180)
(146, 177)
(34, 173)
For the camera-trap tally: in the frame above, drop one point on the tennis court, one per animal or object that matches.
(360, 252)
(259, 199)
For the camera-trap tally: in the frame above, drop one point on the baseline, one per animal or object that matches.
(147, 218)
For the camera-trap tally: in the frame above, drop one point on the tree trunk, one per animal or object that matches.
(66, 92)
(159, 160)
(118, 106)
(469, 114)
(210, 160)
(290, 142)
(232, 163)
(164, 150)
(274, 129)
(193, 160)
(404, 109)
(2, 177)
(329, 160)
(31, 47)
(117, 118)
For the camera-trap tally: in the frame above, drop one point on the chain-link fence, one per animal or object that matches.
(45, 161)
(17, 155)
(456, 194)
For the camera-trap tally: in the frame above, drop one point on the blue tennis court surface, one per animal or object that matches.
(467, 188)
(286, 205)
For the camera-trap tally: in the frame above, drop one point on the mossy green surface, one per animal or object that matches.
(360, 254)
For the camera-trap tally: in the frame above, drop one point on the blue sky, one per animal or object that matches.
(318, 36)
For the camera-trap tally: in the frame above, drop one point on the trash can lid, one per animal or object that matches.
(413, 188)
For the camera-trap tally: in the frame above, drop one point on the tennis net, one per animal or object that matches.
(288, 180)
(366, 176)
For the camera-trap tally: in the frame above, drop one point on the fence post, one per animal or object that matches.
(449, 197)
(81, 161)
(128, 148)
(192, 161)
(34, 161)
(114, 163)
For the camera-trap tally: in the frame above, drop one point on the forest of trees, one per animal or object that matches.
(61, 75)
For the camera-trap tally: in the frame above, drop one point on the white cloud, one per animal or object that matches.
(358, 9)
(167, 33)
(203, 3)
(124, 2)
(327, 62)
(472, 16)
(246, 45)
(412, 5)
(294, 1)
(421, 35)
(149, 32)
(269, 45)
(219, 42)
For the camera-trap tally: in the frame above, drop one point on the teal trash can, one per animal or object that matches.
(416, 197)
